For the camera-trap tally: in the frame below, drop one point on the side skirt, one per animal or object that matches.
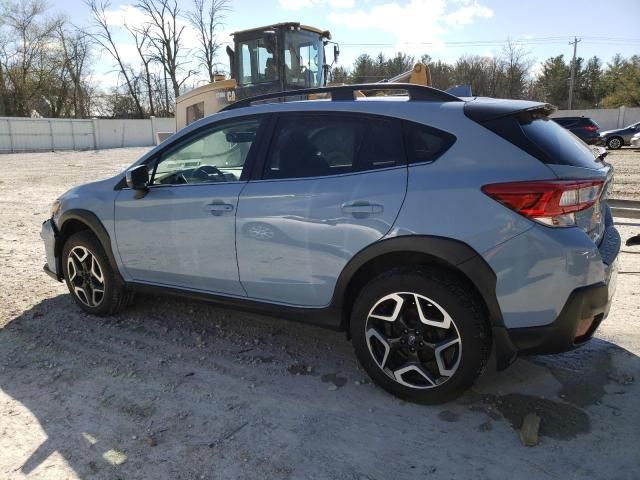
(327, 317)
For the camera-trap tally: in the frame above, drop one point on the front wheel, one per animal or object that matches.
(89, 276)
(420, 334)
(614, 143)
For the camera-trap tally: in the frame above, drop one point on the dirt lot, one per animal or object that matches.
(182, 390)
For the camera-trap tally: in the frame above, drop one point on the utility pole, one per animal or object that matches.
(573, 70)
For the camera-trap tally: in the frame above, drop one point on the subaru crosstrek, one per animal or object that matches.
(434, 230)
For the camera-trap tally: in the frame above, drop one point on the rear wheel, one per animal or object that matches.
(614, 143)
(420, 335)
(89, 276)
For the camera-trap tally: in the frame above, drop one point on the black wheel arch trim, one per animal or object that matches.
(456, 254)
(94, 224)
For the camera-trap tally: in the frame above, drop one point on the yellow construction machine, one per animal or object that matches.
(270, 59)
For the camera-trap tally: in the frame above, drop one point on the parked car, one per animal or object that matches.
(635, 140)
(433, 230)
(584, 128)
(615, 139)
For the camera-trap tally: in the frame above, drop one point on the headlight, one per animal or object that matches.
(55, 209)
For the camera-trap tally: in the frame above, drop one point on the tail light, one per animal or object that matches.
(591, 128)
(551, 202)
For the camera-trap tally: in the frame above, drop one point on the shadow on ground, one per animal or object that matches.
(175, 389)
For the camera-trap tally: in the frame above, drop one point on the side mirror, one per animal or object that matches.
(138, 177)
(336, 53)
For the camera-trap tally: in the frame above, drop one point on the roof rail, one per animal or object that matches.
(348, 93)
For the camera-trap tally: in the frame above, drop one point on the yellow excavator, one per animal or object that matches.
(270, 59)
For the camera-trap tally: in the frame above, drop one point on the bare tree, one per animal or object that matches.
(103, 36)
(516, 65)
(76, 49)
(141, 37)
(25, 57)
(206, 18)
(165, 34)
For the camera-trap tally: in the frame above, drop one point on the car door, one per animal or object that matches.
(331, 184)
(182, 232)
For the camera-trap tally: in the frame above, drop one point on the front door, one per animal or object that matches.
(182, 232)
(331, 185)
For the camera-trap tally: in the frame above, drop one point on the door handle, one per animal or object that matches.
(218, 208)
(362, 208)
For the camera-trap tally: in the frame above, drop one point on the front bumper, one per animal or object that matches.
(50, 235)
(582, 314)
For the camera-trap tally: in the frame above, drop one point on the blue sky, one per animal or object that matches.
(436, 27)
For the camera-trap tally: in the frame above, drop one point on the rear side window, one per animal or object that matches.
(314, 145)
(541, 137)
(560, 146)
(425, 144)
(383, 146)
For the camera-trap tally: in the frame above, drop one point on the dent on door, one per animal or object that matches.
(294, 237)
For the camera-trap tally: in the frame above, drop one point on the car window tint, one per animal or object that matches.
(314, 145)
(559, 145)
(383, 146)
(426, 144)
(216, 156)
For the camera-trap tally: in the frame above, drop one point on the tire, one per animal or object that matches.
(90, 278)
(452, 357)
(615, 143)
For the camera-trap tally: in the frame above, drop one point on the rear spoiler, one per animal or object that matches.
(483, 110)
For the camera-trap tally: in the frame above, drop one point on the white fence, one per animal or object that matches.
(607, 118)
(50, 134)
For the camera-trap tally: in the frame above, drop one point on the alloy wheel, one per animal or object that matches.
(615, 143)
(85, 276)
(413, 340)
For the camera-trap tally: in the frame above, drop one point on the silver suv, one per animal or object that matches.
(434, 230)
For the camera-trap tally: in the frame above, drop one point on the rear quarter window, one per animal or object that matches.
(425, 144)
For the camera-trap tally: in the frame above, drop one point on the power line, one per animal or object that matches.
(483, 43)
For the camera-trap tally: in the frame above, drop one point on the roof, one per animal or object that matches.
(285, 25)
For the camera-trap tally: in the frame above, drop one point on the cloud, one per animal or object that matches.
(416, 26)
(467, 14)
(300, 4)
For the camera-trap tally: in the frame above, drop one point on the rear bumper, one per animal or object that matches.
(582, 314)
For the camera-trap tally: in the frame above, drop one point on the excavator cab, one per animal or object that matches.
(280, 57)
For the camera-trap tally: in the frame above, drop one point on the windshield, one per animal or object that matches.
(303, 58)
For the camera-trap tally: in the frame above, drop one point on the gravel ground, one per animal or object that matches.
(172, 389)
(627, 169)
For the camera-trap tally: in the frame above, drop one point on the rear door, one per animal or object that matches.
(331, 184)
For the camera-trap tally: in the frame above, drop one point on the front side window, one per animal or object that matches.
(303, 58)
(321, 145)
(257, 63)
(216, 156)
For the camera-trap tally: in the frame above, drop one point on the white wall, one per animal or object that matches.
(607, 118)
(49, 134)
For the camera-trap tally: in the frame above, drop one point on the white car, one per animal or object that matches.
(635, 140)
